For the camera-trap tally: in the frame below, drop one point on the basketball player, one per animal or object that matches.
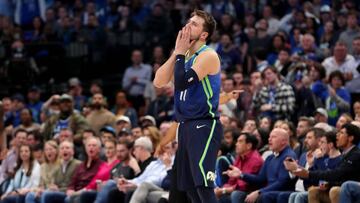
(195, 69)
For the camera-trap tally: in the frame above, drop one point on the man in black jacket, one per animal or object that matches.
(346, 140)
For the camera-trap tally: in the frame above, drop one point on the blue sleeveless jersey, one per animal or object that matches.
(201, 100)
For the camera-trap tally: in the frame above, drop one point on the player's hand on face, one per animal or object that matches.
(183, 42)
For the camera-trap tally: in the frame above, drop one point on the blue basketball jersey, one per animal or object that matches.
(201, 100)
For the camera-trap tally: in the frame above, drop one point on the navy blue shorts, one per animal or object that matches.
(199, 142)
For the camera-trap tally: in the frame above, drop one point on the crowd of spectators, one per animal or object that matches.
(66, 137)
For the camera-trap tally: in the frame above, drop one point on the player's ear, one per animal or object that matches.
(204, 35)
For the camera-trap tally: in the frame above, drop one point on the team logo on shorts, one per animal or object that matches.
(210, 176)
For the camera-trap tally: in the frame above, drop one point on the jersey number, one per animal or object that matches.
(183, 95)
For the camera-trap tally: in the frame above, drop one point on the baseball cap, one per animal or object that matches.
(66, 97)
(321, 111)
(19, 97)
(123, 118)
(34, 88)
(325, 9)
(149, 118)
(74, 82)
(108, 129)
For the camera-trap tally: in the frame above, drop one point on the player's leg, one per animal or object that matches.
(203, 145)
(193, 196)
(176, 196)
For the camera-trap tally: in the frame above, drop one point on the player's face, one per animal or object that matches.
(196, 25)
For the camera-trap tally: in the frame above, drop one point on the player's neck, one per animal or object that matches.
(198, 44)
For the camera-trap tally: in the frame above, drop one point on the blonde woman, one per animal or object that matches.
(154, 134)
(51, 151)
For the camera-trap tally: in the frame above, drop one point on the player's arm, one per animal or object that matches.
(165, 73)
(207, 63)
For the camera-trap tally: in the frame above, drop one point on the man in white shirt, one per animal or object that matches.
(341, 61)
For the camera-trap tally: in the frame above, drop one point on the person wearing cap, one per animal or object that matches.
(321, 115)
(99, 115)
(325, 13)
(34, 103)
(67, 118)
(107, 133)
(122, 122)
(75, 90)
(147, 121)
(50, 107)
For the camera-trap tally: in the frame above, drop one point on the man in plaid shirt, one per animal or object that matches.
(276, 99)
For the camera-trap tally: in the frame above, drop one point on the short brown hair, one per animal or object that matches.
(209, 24)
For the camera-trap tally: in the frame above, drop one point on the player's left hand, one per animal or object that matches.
(252, 197)
(183, 42)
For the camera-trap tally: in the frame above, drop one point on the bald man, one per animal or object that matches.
(273, 173)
